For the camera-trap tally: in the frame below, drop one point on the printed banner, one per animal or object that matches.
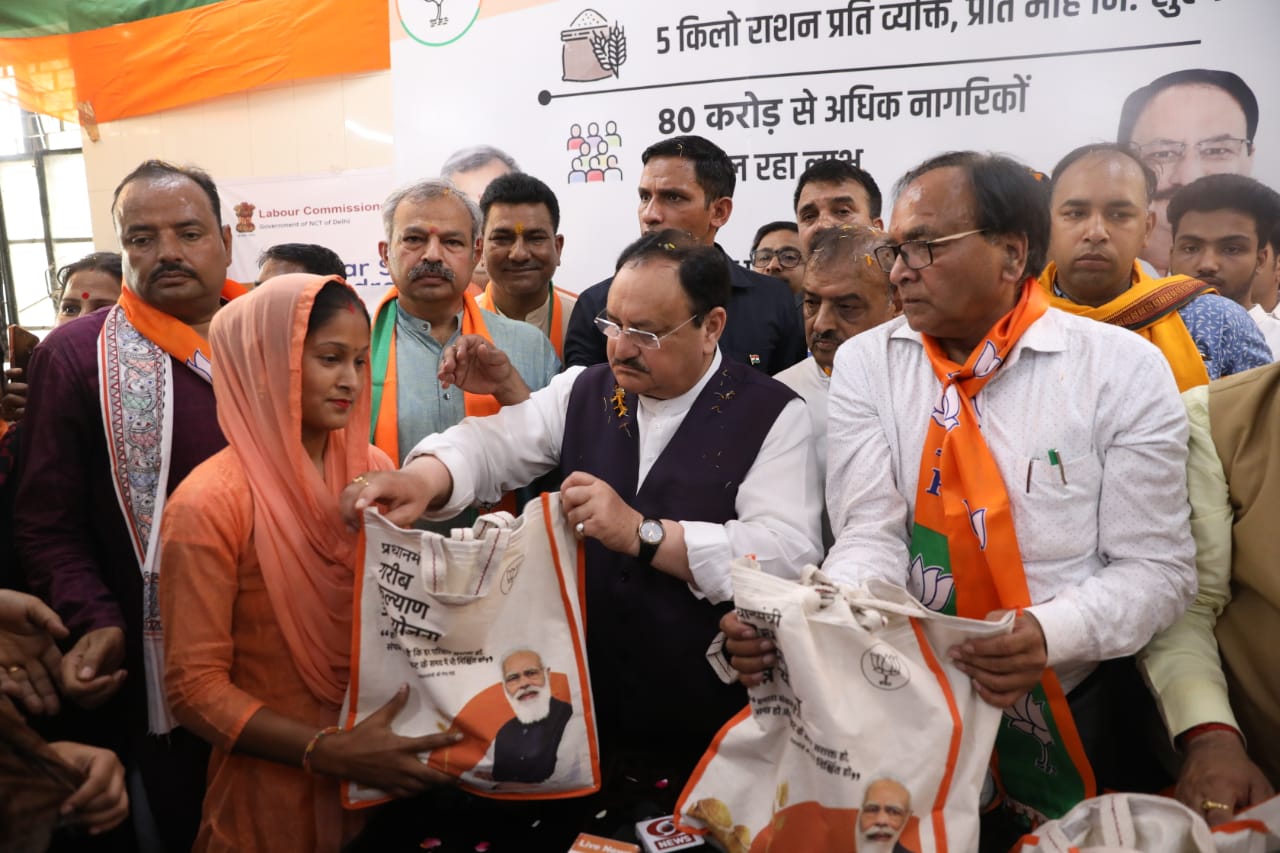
(575, 91)
(342, 212)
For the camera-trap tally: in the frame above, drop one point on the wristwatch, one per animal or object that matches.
(651, 535)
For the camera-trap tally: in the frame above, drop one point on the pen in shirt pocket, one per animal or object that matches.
(1055, 461)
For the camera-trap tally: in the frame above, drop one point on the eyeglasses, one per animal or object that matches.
(639, 337)
(916, 254)
(1167, 152)
(787, 258)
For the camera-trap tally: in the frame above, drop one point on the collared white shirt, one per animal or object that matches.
(1108, 554)
(778, 503)
(1269, 326)
(812, 383)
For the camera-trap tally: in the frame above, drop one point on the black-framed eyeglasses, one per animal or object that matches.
(916, 254)
(639, 337)
(787, 258)
(1167, 152)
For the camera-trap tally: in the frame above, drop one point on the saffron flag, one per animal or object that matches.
(102, 60)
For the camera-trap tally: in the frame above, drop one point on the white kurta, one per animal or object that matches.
(778, 503)
(1270, 328)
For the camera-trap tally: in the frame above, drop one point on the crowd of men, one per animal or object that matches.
(981, 404)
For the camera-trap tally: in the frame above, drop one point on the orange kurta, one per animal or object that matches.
(225, 659)
(257, 575)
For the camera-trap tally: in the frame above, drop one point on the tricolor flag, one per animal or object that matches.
(101, 60)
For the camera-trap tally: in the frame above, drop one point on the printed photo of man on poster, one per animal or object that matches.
(1184, 125)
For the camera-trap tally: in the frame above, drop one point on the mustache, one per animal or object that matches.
(422, 269)
(170, 267)
(830, 336)
(633, 363)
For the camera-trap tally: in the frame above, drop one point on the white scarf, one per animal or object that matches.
(135, 377)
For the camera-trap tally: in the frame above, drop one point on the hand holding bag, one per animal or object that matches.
(865, 734)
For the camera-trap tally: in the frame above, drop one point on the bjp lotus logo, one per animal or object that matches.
(932, 585)
(946, 412)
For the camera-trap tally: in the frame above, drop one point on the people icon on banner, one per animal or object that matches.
(596, 159)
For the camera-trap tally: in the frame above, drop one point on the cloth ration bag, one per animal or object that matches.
(863, 734)
(485, 625)
(1145, 823)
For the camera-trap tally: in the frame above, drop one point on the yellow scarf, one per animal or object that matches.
(1150, 308)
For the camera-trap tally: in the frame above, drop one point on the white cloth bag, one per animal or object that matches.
(863, 693)
(443, 614)
(1145, 823)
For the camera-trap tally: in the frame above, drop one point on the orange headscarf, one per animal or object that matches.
(308, 556)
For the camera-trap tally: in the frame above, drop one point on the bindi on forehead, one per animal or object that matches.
(84, 295)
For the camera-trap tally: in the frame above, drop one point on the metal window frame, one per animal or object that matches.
(37, 153)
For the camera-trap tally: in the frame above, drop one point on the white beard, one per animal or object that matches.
(531, 710)
(876, 845)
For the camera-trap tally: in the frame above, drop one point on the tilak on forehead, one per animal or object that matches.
(519, 228)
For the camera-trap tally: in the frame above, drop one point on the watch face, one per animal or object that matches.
(651, 532)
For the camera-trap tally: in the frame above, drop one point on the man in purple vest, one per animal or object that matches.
(679, 461)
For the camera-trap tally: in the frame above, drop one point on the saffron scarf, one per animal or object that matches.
(555, 328)
(171, 334)
(964, 537)
(135, 381)
(1150, 308)
(307, 555)
(384, 431)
